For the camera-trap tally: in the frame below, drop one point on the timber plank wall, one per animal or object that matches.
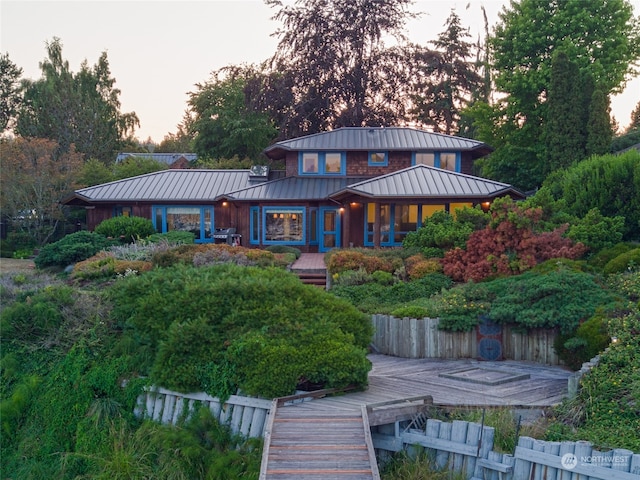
(421, 338)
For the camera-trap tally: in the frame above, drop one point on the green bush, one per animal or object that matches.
(597, 231)
(377, 298)
(71, 249)
(284, 249)
(165, 308)
(443, 231)
(174, 237)
(126, 229)
(410, 311)
(590, 338)
(601, 258)
(623, 262)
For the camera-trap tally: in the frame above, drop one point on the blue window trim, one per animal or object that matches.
(263, 218)
(436, 159)
(385, 163)
(254, 230)
(322, 164)
(163, 211)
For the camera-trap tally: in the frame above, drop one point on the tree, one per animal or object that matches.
(225, 123)
(601, 36)
(333, 58)
(81, 109)
(564, 136)
(447, 79)
(36, 176)
(10, 90)
(599, 130)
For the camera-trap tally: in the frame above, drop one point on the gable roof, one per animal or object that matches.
(377, 138)
(424, 181)
(165, 186)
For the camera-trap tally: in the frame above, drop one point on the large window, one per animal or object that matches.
(284, 225)
(197, 220)
(321, 163)
(396, 220)
(445, 160)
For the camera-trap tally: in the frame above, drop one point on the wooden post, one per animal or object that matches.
(376, 226)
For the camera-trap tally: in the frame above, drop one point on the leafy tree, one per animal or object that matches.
(94, 172)
(36, 176)
(224, 123)
(599, 129)
(10, 90)
(601, 36)
(81, 109)
(335, 64)
(447, 80)
(137, 165)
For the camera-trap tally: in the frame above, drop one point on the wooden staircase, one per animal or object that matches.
(317, 278)
(304, 443)
(311, 269)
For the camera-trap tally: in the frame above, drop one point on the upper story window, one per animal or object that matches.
(444, 160)
(321, 163)
(378, 159)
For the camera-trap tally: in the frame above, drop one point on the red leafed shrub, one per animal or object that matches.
(509, 245)
(344, 260)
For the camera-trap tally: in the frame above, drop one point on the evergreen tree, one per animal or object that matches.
(564, 135)
(10, 90)
(599, 131)
(449, 79)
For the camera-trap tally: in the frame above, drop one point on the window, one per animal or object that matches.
(313, 226)
(423, 158)
(254, 237)
(396, 220)
(405, 221)
(448, 162)
(283, 225)
(197, 220)
(428, 210)
(310, 163)
(378, 159)
(321, 163)
(458, 206)
(123, 212)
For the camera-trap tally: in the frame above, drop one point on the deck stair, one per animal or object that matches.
(311, 269)
(307, 441)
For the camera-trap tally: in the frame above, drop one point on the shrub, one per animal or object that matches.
(441, 231)
(70, 249)
(174, 237)
(164, 310)
(126, 229)
(383, 278)
(590, 338)
(424, 267)
(410, 311)
(596, 231)
(284, 249)
(351, 277)
(601, 258)
(623, 262)
(352, 259)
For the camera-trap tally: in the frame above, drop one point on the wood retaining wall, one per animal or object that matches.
(421, 338)
(244, 415)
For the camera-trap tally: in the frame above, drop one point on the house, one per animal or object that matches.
(347, 187)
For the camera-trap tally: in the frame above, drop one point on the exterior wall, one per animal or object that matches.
(103, 212)
(358, 164)
(466, 163)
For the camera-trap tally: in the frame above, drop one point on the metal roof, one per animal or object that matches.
(423, 181)
(167, 158)
(377, 138)
(295, 188)
(167, 186)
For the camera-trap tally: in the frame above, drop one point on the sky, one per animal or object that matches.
(158, 50)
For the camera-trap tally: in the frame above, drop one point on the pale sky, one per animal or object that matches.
(159, 49)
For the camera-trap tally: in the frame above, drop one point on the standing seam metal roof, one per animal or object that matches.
(424, 181)
(169, 185)
(377, 138)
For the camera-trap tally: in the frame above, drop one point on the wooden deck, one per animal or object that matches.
(329, 438)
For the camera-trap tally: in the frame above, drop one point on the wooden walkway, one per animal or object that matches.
(329, 438)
